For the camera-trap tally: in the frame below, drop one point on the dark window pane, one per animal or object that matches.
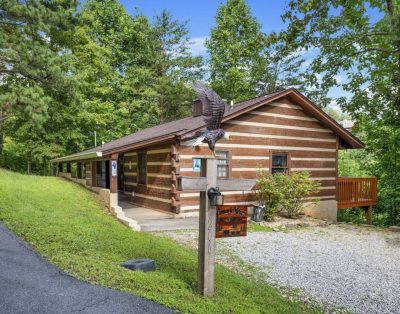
(279, 160)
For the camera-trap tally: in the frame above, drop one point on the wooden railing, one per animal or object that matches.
(356, 192)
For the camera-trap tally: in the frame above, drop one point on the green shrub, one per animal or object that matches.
(269, 193)
(284, 193)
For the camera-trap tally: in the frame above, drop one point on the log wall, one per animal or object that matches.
(157, 192)
(280, 127)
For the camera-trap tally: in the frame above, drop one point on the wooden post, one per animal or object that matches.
(94, 173)
(114, 173)
(207, 216)
(51, 169)
(29, 167)
(368, 214)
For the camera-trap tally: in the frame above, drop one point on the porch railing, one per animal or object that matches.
(356, 192)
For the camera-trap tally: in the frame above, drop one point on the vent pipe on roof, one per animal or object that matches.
(231, 105)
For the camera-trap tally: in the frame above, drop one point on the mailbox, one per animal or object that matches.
(215, 197)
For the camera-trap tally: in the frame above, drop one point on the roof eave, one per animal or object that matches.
(76, 157)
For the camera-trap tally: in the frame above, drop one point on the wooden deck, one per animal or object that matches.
(356, 192)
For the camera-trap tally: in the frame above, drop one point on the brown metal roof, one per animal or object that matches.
(170, 130)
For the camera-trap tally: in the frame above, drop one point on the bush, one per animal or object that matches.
(268, 193)
(284, 193)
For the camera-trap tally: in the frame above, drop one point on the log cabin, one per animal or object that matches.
(278, 132)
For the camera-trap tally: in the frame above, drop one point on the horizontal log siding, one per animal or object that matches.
(157, 192)
(318, 156)
(88, 173)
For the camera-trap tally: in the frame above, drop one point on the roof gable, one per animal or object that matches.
(312, 110)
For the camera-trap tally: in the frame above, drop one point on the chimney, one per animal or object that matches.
(197, 108)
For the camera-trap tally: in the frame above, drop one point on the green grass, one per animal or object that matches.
(253, 227)
(67, 224)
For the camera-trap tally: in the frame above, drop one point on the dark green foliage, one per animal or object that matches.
(98, 69)
(34, 60)
(366, 52)
(174, 68)
(236, 50)
(245, 62)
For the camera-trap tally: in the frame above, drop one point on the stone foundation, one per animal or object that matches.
(322, 210)
(109, 199)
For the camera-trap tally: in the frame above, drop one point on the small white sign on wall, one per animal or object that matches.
(114, 168)
(196, 164)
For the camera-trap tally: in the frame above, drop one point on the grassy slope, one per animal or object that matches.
(66, 223)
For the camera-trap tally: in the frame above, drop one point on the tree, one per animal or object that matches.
(282, 70)
(111, 52)
(365, 49)
(236, 48)
(33, 61)
(34, 66)
(175, 69)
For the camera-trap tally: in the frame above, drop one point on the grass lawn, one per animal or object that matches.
(67, 224)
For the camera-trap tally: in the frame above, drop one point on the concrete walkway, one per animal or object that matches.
(29, 284)
(153, 220)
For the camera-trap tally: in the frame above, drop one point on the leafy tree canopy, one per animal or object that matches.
(34, 61)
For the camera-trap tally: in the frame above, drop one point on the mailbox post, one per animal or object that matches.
(207, 217)
(209, 186)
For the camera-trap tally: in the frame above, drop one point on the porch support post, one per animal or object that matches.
(114, 180)
(94, 173)
(368, 214)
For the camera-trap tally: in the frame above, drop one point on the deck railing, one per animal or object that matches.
(356, 192)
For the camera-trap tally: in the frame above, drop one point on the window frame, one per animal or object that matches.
(145, 168)
(288, 166)
(227, 165)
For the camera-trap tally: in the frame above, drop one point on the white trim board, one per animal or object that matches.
(278, 126)
(316, 149)
(282, 137)
(278, 115)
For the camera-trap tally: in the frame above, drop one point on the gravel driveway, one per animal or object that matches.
(338, 265)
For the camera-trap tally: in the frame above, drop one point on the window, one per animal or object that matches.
(100, 169)
(141, 168)
(279, 163)
(223, 164)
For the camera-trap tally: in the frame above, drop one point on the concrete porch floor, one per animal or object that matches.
(153, 220)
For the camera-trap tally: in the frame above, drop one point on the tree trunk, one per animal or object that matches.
(29, 167)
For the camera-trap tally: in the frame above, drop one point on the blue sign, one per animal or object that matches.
(196, 164)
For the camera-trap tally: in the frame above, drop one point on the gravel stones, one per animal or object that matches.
(357, 268)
